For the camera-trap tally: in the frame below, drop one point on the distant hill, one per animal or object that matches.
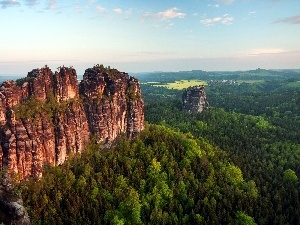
(258, 74)
(9, 77)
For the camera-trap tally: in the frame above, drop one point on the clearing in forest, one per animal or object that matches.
(182, 84)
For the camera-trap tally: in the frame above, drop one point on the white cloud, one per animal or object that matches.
(289, 20)
(52, 4)
(100, 9)
(262, 51)
(128, 12)
(77, 9)
(227, 1)
(32, 2)
(210, 22)
(225, 19)
(118, 10)
(162, 26)
(92, 1)
(170, 14)
(7, 3)
(214, 5)
(169, 26)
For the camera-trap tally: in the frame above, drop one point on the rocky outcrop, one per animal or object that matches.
(46, 116)
(112, 103)
(194, 99)
(11, 205)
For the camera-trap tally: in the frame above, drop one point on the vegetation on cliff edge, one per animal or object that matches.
(33, 108)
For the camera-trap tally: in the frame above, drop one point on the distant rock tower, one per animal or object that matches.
(194, 99)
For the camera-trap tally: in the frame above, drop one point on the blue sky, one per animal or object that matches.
(144, 35)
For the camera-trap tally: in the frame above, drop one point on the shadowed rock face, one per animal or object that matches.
(49, 115)
(194, 99)
(11, 205)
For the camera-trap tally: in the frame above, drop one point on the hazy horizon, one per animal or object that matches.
(17, 76)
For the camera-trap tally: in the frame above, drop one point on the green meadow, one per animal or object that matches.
(181, 84)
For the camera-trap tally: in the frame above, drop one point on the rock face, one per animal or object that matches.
(11, 205)
(46, 116)
(194, 99)
(112, 103)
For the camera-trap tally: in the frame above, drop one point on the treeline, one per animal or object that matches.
(160, 177)
(258, 74)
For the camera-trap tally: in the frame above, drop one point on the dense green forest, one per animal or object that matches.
(237, 163)
(160, 177)
(257, 125)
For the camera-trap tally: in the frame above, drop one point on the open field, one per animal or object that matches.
(152, 82)
(182, 84)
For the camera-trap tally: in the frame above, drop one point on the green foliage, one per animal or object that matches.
(142, 181)
(290, 176)
(21, 81)
(131, 95)
(33, 108)
(232, 174)
(111, 72)
(30, 109)
(100, 67)
(243, 219)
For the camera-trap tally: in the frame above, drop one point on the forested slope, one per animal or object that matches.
(258, 127)
(160, 177)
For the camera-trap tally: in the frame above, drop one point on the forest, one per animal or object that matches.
(236, 163)
(257, 125)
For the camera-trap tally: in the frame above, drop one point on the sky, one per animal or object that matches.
(145, 36)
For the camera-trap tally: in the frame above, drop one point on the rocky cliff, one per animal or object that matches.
(46, 116)
(194, 99)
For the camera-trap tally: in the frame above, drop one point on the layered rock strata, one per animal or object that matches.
(194, 99)
(46, 116)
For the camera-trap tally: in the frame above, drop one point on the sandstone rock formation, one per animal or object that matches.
(112, 102)
(46, 116)
(194, 99)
